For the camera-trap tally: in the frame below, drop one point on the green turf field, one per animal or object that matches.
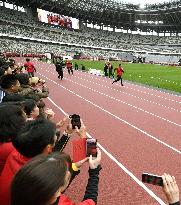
(166, 77)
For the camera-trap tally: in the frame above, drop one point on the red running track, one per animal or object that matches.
(138, 126)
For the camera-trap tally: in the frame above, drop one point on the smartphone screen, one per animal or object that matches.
(91, 147)
(152, 179)
(75, 120)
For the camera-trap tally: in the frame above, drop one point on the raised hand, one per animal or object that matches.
(170, 188)
(95, 162)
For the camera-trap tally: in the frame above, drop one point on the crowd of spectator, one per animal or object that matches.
(30, 139)
(88, 37)
(21, 25)
(25, 47)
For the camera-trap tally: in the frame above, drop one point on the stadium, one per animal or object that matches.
(92, 44)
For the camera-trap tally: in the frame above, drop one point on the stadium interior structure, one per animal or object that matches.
(106, 29)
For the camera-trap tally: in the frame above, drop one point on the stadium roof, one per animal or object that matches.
(162, 17)
(143, 1)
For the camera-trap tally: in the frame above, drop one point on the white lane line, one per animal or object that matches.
(123, 102)
(137, 90)
(118, 118)
(152, 102)
(118, 163)
(140, 98)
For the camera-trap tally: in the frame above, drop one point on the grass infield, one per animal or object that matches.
(164, 77)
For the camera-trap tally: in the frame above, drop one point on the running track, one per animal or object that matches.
(138, 128)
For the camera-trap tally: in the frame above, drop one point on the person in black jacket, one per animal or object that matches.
(59, 67)
(106, 69)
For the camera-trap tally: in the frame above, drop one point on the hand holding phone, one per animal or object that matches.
(94, 163)
(152, 179)
(170, 188)
(83, 148)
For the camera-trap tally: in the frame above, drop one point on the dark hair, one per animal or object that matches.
(4, 68)
(40, 179)
(29, 106)
(2, 61)
(23, 78)
(13, 97)
(11, 60)
(7, 81)
(34, 137)
(27, 59)
(41, 104)
(11, 120)
(119, 65)
(2, 71)
(17, 103)
(12, 64)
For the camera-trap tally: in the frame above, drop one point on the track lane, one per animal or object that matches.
(98, 124)
(129, 192)
(150, 124)
(161, 96)
(137, 103)
(115, 187)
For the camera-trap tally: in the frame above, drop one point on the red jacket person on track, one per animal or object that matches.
(69, 67)
(119, 71)
(30, 68)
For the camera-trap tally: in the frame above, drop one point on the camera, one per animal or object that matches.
(152, 179)
(75, 121)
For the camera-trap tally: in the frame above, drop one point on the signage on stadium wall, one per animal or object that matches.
(57, 19)
(67, 58)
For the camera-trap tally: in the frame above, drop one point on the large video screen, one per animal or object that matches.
(57, 19)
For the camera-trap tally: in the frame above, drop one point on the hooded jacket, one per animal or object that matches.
(13, 163)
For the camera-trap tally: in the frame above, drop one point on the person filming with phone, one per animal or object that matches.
(170, 189)
(38, 173)
(168, 184)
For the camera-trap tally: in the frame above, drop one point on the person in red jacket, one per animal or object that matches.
(49, 176)
(12, 118)
(36, 137)
(30, 68)
(69, 67)
(119, 71)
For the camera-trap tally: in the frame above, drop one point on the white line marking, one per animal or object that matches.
(118, 118)
(152, 102)
(123, 102)
(162, 92)
(119, 163)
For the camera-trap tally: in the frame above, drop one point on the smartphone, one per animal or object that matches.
(91, 147)
(75, 120)
(152, 179)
